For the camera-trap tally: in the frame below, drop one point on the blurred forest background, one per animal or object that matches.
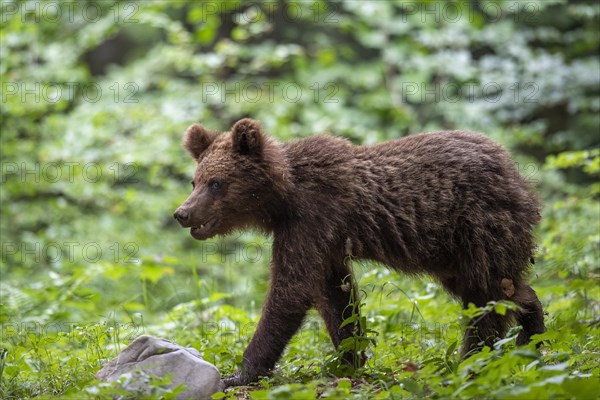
(96, 97)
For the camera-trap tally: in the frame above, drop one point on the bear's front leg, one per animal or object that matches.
(336, 302)
(283, 312)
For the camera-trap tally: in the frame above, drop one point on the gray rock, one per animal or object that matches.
(159, 357)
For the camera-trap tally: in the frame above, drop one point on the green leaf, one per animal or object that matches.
(412, 386)
(350, 320)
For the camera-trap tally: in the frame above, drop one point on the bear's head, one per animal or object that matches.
(241, 180)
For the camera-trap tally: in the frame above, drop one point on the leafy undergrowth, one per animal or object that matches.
(410, 359)
(414, 325)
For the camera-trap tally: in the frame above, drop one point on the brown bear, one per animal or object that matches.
(450, 204)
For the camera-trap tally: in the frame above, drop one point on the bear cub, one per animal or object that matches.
(450, 204)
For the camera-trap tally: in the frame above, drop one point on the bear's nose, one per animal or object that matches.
(181, 216)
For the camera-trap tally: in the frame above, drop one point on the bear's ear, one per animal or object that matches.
(247, 137)
(197, 139)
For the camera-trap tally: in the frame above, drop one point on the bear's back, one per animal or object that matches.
(423, 191)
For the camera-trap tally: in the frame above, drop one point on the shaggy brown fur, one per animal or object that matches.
(450, 204)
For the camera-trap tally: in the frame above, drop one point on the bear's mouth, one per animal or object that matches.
(202, 231)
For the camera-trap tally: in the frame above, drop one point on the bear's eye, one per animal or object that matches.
(193, 185)
(215, 184)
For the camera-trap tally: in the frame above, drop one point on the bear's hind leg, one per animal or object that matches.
(337, 301)
(485, 329)
(531, 315)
